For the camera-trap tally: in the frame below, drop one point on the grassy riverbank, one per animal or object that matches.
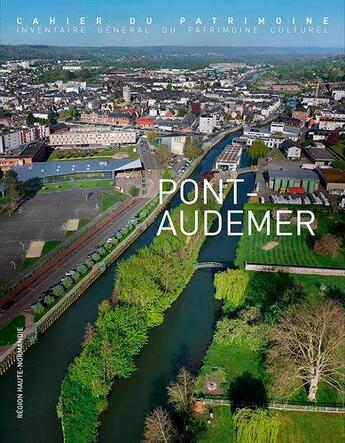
(295, 427)
(145, 287)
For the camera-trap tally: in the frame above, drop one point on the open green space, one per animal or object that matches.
(110, 198)
(295, 427)
(48, 246)
(292, 250)
(235, 360)
(8, 334)
(84, 184)
(92, 154)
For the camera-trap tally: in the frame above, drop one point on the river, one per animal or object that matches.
(181, 340)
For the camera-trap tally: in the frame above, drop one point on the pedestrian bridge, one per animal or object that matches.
(210, 264)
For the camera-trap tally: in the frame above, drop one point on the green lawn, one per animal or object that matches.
(295, 427)
(293, 250)
(221, 430)
(110, 198)
(101, 154)
(48, 246)
(8, 334)
(86, 184)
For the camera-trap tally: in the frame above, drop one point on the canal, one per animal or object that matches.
(181, 340)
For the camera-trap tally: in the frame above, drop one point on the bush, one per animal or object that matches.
(82, 269)
(49, 300)
(58, 291)
(67, 282)
(38, 308)
(95, 257)
(102, 251)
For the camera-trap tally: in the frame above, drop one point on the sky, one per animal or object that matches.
(166, 28)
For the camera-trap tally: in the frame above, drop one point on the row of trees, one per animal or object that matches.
(146, 285)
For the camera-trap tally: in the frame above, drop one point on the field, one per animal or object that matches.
(295, 427)
(293, 250)
(94, 154)
(110, 198)
(8, 335)
(85, 184)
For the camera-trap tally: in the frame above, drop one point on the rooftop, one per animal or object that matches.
(303, 174)
(54, 168)
(230, 154)
(333, 175)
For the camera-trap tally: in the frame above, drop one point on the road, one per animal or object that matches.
(31, 294)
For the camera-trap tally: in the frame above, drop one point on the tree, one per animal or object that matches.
(193, 148)
(180, 393)
(330, 245)
(73, 112)
(30, 119)
(182, 111)
(38, 308)
(163, 154)
(158, 427)
(151, 136)
(133, 191)
(231, 285)
(13, 188)
(259, 149)
(52, 118)
(256, 426)
(307, 347)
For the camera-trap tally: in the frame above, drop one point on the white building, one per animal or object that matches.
(229, 159)
(292, 152)
(207, 123)
(84, 138)
(330, 125)
(178, 144)
(10, 140)
(338, 94)
(126, 94)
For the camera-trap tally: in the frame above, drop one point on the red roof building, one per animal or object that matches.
(146, 122)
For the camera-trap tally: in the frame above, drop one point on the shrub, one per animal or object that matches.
(330, 245)
(38, 308)
(67, 282)
(58, 291)
(95, 257)
(48, 300)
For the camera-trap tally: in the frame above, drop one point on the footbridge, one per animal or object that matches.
(210, 264)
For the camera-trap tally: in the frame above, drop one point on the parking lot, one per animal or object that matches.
(42, 218)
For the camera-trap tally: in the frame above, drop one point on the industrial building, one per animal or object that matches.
(229, 159)
(77, 170)
(333, 179)
(280, 181)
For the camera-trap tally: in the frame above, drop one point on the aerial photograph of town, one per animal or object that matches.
(172, 222)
